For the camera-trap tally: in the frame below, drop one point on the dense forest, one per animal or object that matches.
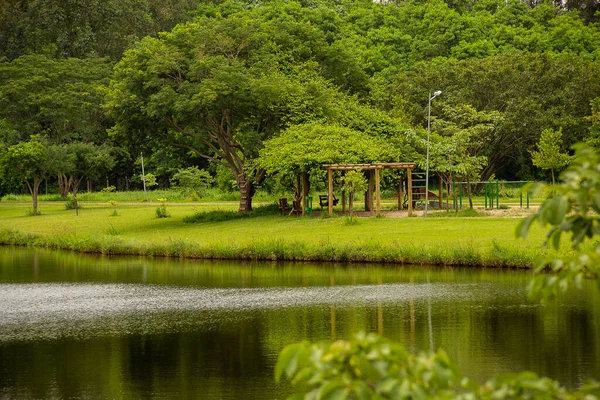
(86, 86)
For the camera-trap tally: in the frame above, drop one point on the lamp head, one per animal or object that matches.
(437, 93)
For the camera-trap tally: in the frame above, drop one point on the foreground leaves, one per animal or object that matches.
(572, 212)
(371, 367)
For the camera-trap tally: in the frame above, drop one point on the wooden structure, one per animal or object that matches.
(372, 167)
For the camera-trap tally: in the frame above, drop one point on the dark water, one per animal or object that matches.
(76, 326)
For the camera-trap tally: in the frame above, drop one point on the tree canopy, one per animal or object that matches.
(215, 79)
(302, 148)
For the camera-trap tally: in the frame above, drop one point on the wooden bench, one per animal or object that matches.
(324, 201)
(283, 206)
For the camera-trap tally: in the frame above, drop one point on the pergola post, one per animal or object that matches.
(377, 191)
(330, 190)
(400, 194)
(369, 193)
(409, 190)
(374, 180)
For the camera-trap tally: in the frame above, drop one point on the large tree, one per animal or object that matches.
(85, 160)
(32, 161)
(225, 82)
(58, 100)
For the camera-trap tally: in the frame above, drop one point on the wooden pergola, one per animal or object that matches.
(370, 167)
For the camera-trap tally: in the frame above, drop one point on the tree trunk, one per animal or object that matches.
(552, 169)
(246, 193)
(454, 193)
(64, 184)
(34, 195)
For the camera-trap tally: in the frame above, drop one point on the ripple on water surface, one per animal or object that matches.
(51, 311)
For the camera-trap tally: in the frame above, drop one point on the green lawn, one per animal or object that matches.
(440, 240)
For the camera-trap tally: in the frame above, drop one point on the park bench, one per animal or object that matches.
(295, 209)
(324, 202)
(283, 206)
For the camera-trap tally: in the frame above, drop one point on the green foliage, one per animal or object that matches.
(302, 148)
(352, 182)
(531, 91)
(192, 181)
(149, 178)
(71, 205)
(219, 215)
(371, 367)
(32, 162)
(161, 211)
(572, 211)
(365, 368)
(58, 99)
(594, 118)
(548, 154)
(83, 28)
(108, 189)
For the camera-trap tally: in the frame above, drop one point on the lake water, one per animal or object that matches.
(80, 326)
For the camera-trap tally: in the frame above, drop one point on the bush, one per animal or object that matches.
(218, 215)
(161, 211)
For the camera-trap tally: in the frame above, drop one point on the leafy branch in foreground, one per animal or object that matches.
(574, 210)
(371, 367)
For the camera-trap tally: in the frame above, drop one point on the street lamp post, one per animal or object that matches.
(435, 94)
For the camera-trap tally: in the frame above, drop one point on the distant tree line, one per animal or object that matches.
(215, 84)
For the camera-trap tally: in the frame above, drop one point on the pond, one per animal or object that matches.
(81, 326)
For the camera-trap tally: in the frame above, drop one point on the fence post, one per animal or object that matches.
(497, 195)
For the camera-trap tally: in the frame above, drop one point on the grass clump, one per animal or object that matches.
(161, 211)
(221, 215)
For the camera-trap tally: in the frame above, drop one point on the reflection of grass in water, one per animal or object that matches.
(450, 241)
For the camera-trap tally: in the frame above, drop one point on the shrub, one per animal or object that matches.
(219, 215)
(161, 211)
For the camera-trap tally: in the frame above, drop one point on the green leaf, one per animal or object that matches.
(288, 360)
(559, 206)
(387, 385)
(556, 232)
(333, 390)
(524, 225)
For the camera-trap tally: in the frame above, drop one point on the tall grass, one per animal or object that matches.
(277, 249)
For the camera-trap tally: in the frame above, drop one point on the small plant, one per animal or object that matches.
(161, 211)
(353, 181)
(194, 197)
(114, 204)
(70, 205)
(30, 213)
(350, 221)
(109, 189)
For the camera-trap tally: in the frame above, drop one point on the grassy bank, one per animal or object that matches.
(487, 241)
